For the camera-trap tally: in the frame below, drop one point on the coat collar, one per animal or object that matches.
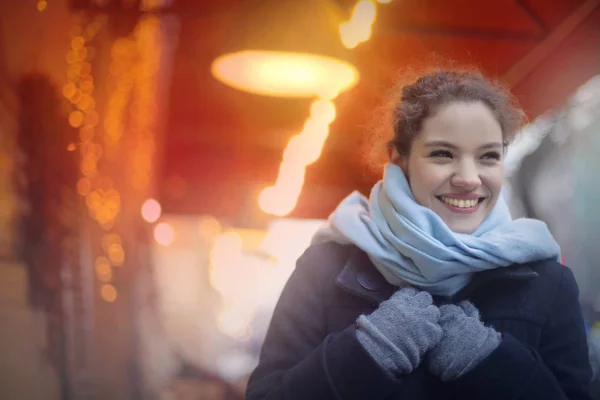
(360, 277)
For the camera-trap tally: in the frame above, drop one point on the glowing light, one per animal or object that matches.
(101, 263)
(384, 1)
(41, 5)
(301, 151)
(69, 90)
(275, 202)
(103, 272)
(151, 210)
(164, 234)
(116, 255)
(108, 293)
(84, 186)
(76, 119)
(323, 111)
(109, 239)
(358, 28)
(285, 74)
(77, 42)
(91, 118)
(305, 148)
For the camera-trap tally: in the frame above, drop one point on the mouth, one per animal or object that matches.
(462, 206)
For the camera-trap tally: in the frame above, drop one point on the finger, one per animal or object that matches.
(435, 334)
(449, 313)
(432, 313)
(405, 293)
(469, 309)
(423, 299)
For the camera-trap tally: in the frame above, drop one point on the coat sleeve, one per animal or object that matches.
(558, 370)
(301, 360)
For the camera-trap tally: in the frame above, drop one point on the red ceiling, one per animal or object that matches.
(224, 145)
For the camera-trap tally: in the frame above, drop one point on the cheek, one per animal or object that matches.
(425, 179)
(495, 180)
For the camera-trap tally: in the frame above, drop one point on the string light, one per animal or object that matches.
(358, 28)
(147, 36)
(133, 69)
(102, 199)
(306, 147)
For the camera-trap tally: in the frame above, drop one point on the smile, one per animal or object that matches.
(461, 205)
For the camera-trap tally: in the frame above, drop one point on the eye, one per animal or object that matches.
(492, 155)
(441, 154)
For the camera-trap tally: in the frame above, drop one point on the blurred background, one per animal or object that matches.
(163, 163)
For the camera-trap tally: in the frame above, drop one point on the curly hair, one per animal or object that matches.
(410, 103)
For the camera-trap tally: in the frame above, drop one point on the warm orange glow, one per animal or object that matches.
(384, 1)
(41, 5)
(116, 255)
(69, 90)
(84, 186)
(77, 42)
(285, 74)
(86, 133)
(149, 5)
(76, 119)
(151, 210)
(103, 272)
(110, 239)
(108, 293)
(164, 234)
(91, 118)
(89, 167)
(101, 263)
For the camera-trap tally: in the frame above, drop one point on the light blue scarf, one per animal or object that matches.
(409, 243)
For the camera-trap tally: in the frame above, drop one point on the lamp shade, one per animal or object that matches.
(287, 48)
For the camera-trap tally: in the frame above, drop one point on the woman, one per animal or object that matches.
(428, 289)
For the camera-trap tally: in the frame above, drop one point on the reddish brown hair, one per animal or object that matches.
(411, 101)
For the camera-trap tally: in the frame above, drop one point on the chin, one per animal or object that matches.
(464, 227)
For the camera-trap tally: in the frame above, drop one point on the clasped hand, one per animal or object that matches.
(408, 327)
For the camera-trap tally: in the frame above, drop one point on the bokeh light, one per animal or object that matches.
(41, 5)
(358, 28)
(284, 74)
(151, 210)
(108, 293)
(164, 234)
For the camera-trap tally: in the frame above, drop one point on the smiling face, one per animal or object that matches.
(455, 166)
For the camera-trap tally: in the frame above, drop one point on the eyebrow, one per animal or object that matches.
(441, 143)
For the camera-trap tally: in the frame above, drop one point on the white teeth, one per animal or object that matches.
(460, 203)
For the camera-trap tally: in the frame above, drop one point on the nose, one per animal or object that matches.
(466, 176)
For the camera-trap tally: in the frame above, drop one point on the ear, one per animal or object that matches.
(396, 158)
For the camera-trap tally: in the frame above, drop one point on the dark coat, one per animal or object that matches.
(311, 350)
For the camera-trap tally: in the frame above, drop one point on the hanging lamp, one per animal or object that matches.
(287, 48)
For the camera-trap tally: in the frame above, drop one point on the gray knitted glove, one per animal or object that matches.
(400, 331)
(466, 341)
